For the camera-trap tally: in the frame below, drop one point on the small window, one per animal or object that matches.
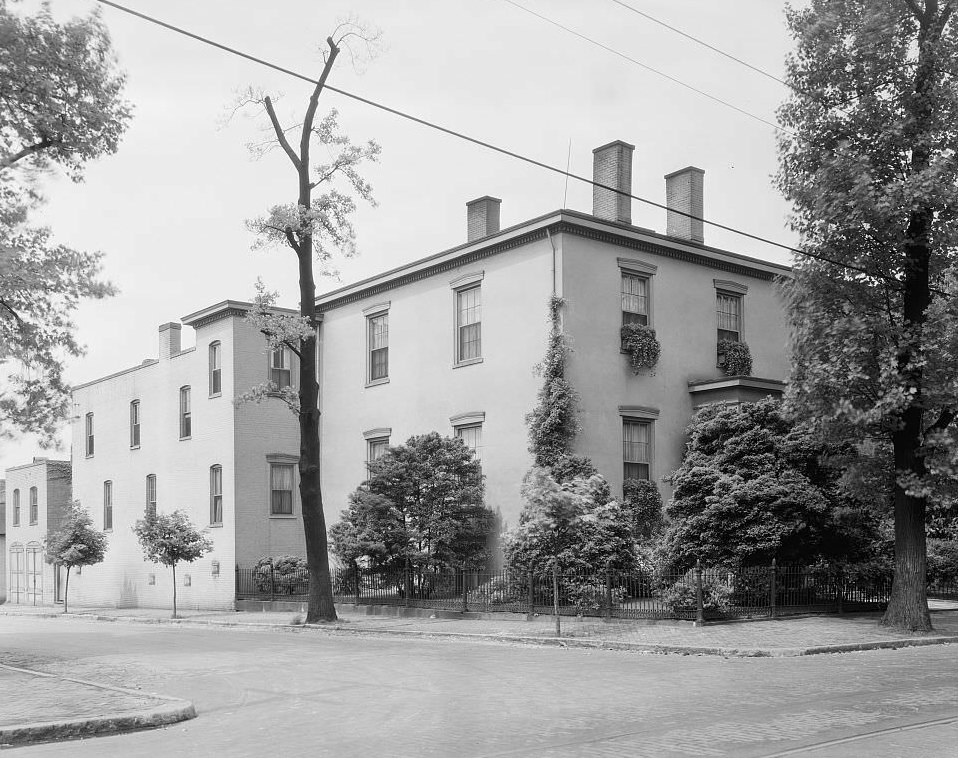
(151, 495)
(216, 369)
(89, 435)
(729, 310)
(636, 448)
(216, 494)
(378, 340)
(107, 505)
(635, 299)
(468, 324)
(375, 448)
(186, 415)
(135, 423)
(16, 507)
(279, 367)
(471, 437)
(281, 489)
(34, 506)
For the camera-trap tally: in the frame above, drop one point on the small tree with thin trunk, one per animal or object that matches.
(170, 538)
(75, 543)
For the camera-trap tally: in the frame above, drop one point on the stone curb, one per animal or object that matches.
(173, 711)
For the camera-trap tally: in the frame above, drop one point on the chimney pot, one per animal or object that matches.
(684, 192)
(169, 339)
(482, 217)
(612, 166)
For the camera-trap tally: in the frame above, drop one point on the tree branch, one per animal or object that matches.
(913, 7)
(291, 239)
(943, 421)
(9, 160)
(13, 313)
(314, 102)
(281, 133)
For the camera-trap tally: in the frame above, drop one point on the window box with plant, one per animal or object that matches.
(638, 340)
(734, 358)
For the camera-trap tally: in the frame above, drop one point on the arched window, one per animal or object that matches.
(34, 506)
(16, 507)
(216, 369)
(216, 494)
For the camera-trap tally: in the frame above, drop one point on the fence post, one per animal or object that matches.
(407, 586)
(359, 590)
(772, 576)
(555, 598)
(608, 595)
(237, 581)
(465, 589)
(699, 601)
(532, 596)
(840, 590)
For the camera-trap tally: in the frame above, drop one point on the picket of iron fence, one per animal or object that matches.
(700, 594)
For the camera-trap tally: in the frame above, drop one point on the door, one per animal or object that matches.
(34, 555)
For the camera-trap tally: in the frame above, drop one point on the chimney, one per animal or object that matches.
(684, 191)
(169, 340)
(482, 217)
(612, 166)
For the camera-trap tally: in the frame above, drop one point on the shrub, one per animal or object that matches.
(643, 348)
(735, 358)
(716, 594)
(642, 501)
(498, 591)
(942, 561)
(591, 596)
(283, 575)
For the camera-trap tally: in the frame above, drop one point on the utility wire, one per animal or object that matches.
(645, 66)
(490, 146)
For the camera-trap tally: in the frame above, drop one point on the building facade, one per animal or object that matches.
(39, 498)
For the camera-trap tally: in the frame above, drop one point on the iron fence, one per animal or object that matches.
(702, 593)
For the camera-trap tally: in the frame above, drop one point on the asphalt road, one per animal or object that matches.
(261, 693)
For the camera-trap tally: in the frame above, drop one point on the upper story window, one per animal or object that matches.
(376, 447)
(186, 414)
(636, 449)
(216, 369)
(89, 435)
(135, 423)
(729, 310)
(280, 361)
(469, 324)
(216, 494)
(16, 507)
(34, 506)
(107, 505)
(378, 345)
(635, 299)
(471, 437)
(151, 495)
(281, 489)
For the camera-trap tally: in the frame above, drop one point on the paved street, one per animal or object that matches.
(265, 692)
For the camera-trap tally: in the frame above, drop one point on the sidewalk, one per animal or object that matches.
(783, 637)
(59, 708)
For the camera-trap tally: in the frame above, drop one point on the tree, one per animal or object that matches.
(75, 543)
(61, 106)
(869, 168)
(753, 486)
(170, 538)
(313, 226)
(422, 505)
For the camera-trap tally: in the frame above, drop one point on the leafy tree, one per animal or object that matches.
(642, 503)
(314, 226)
(422, 505)
(60, 106)
(75, 543)
(753, 486)
(869, 168)
(170, 538)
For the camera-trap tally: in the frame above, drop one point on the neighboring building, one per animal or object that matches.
(166, 435)
(450, 342)
(3, 540)
(39, 500)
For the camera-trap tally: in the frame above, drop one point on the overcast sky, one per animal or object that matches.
(168, 209)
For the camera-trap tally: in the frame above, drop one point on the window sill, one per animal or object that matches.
(283, 516)
(377, 382)
(218, 525)
(134, 447)
(110, 530)
(88, 455)
(470, 362)
(215, 394)
(183, 439)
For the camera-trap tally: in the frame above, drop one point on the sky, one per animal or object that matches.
(168, 209)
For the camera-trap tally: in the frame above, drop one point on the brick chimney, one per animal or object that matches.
(612, 166)
(169, 339)
(482, 217)
(684, 191)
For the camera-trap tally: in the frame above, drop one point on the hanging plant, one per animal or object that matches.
(735, 358)
(643, 348)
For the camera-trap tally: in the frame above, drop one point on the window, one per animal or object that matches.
(378, 340)
(16, 507)
(279, 367)
(281, 489)
(151, 495)
(471, 437)
(89, 435)
(636, 448)
(216, 495)
(375, 448)
(186, 416)
(34, 506)
(729, 310)
(107, 506)
(468, 324)
(216, 369)
(135, 423)
(635, 299)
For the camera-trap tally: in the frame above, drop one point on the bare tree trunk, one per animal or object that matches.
(173, 566)
(66, 592)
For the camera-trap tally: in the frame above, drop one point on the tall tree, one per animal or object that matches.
(870, 169)
(61, 106)
(315, 226)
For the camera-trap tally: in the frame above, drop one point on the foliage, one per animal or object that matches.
(735, 357)
(568, 527)
(592, 596)
(753, 485)
(716, 594)
(643, 504)
(422, 503)
(170, 538)
(498, 591)
(553, 424)
(868, 164)
(285, 574)
(75, 543)
(943, 562)
(643, 348)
